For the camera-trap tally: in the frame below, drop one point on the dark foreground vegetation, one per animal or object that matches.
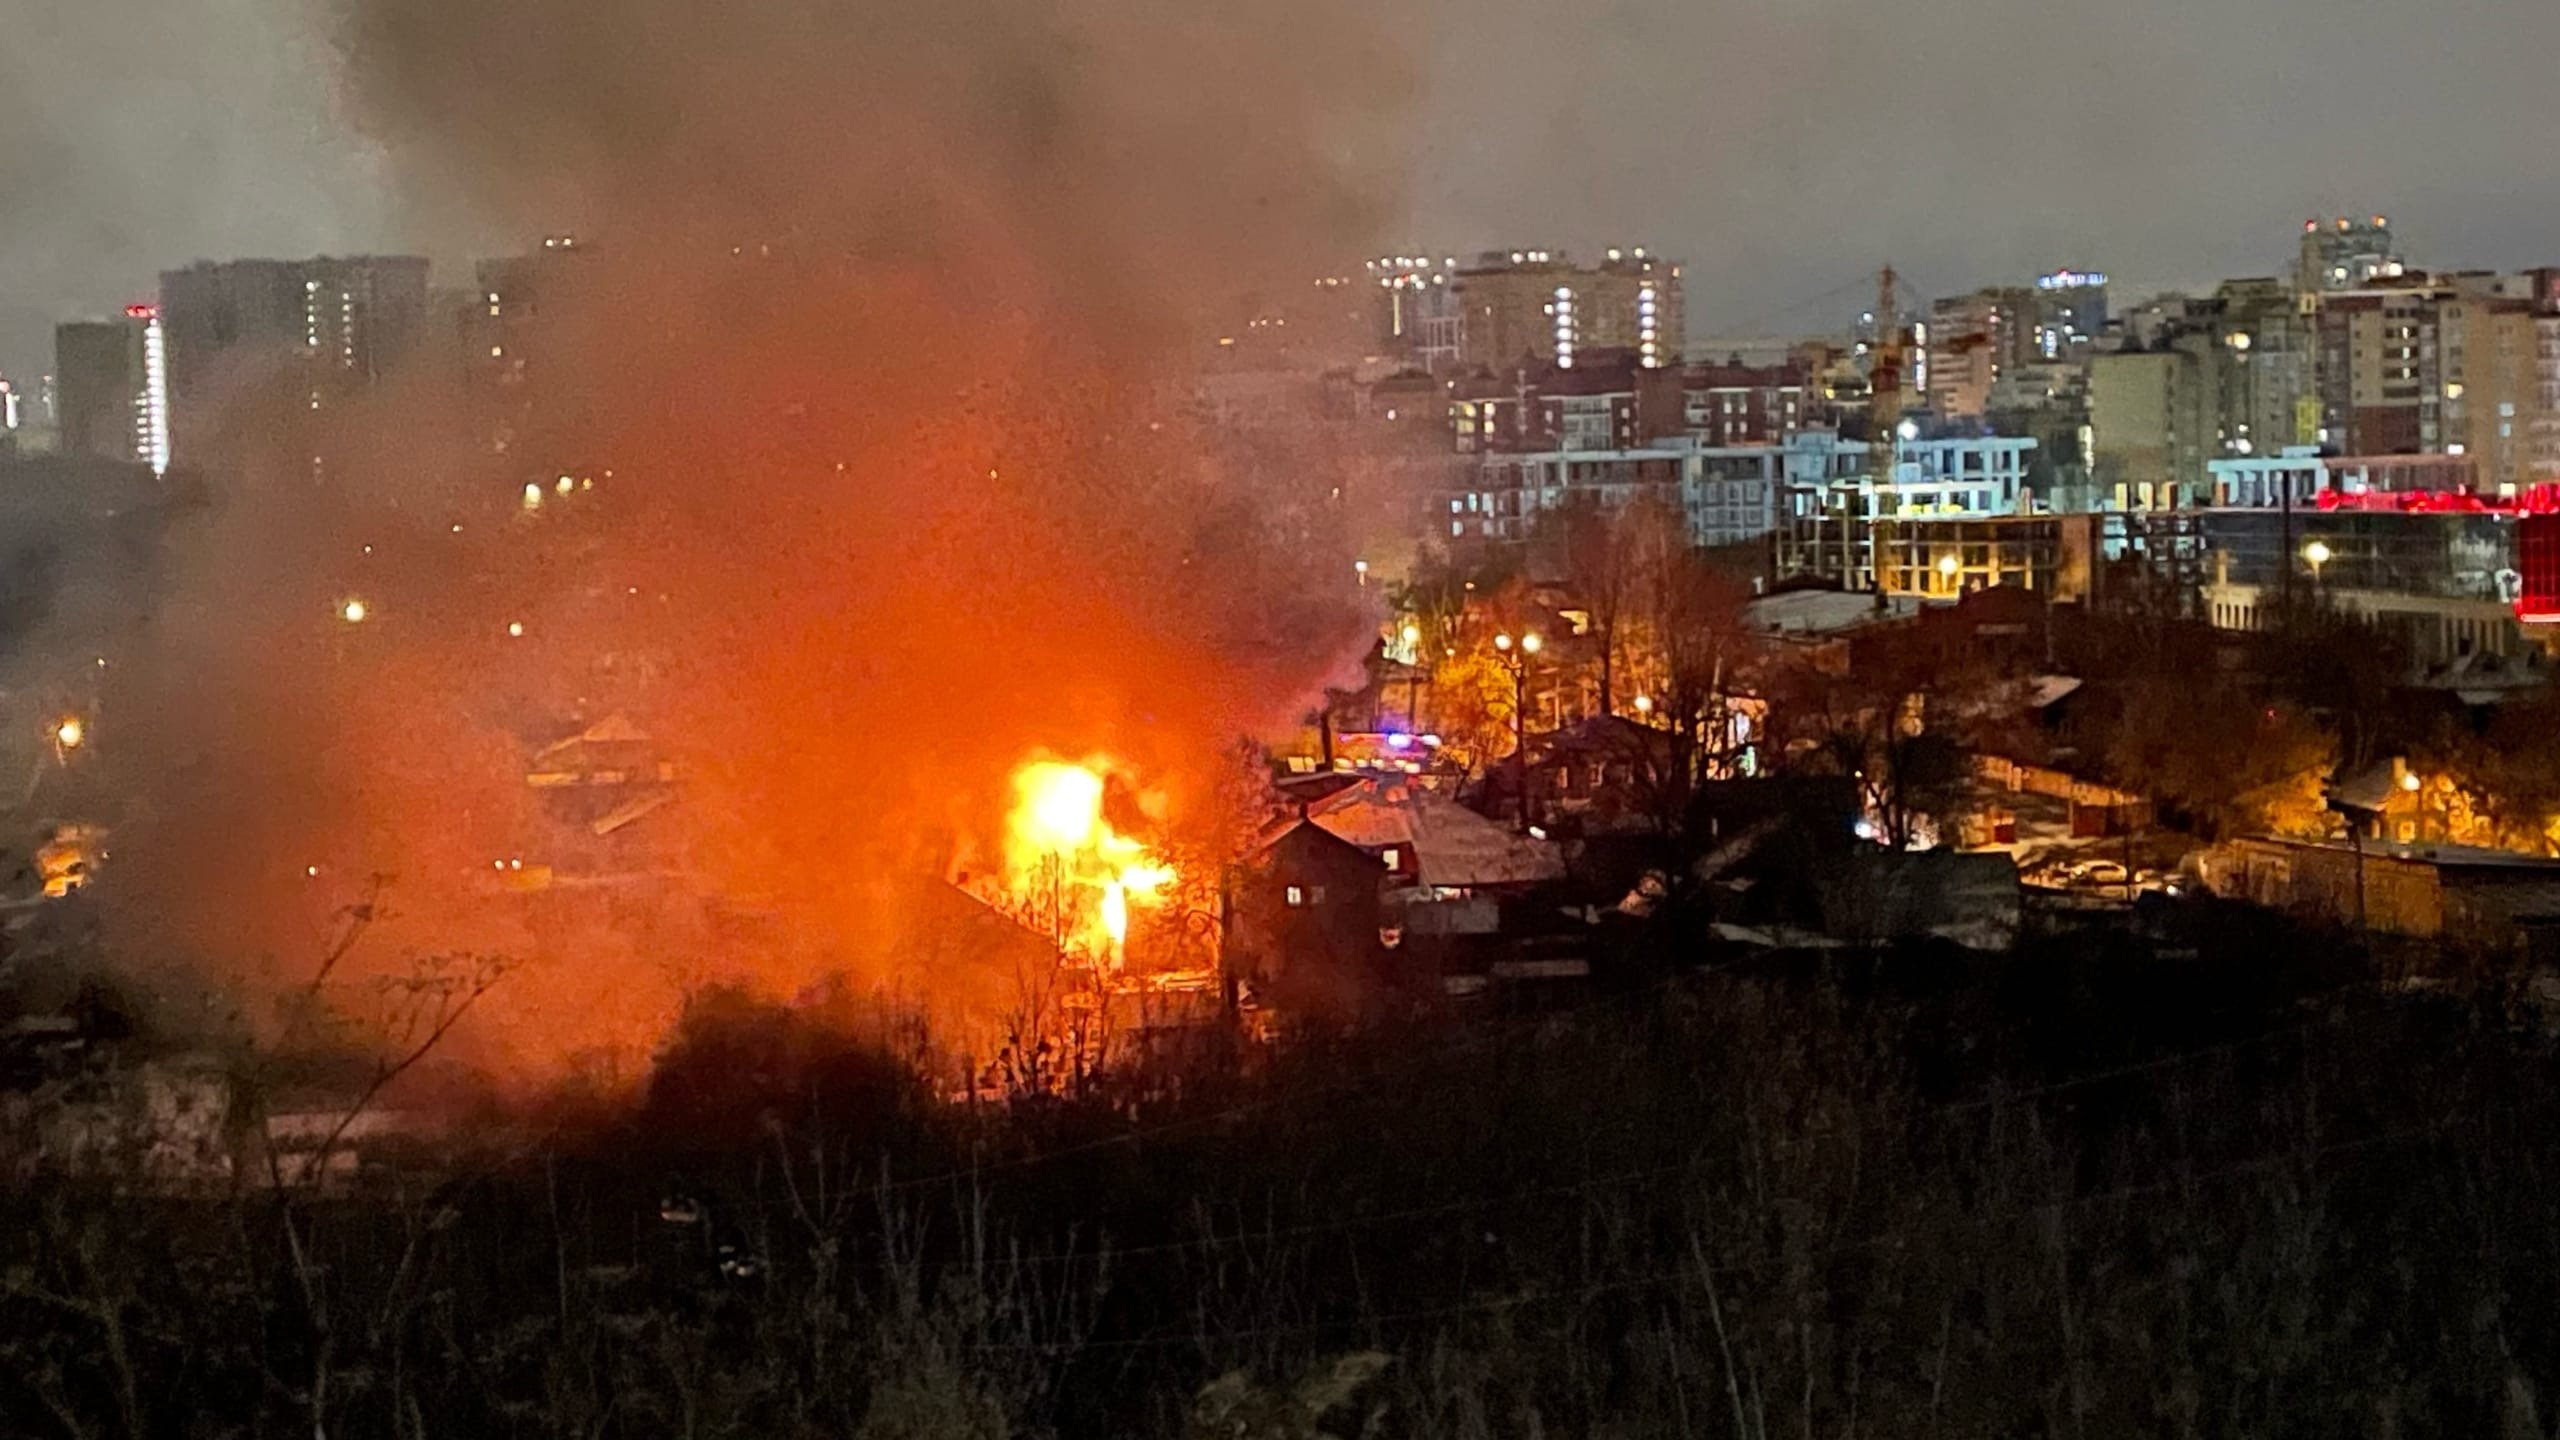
(2093, 1189)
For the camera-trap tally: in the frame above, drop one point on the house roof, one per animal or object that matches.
(2479, 860)
(1614, 736)
(1820, 613)
(1322, 785)
(1453, 847)
(2482, 678)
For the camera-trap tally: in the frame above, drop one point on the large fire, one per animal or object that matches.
(1065, 861)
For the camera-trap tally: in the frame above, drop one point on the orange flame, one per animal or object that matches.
(1062, 855)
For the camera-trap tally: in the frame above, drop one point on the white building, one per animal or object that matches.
(2300, 474)
(1731, 494)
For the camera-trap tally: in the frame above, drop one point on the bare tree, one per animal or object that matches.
(1605, 557)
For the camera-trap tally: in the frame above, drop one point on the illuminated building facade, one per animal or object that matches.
(1413, 315)
(1613, 400)
(1731, 403)
(113, 380)
(2071, 313)
(2444, 584)
(1531, 306)
(2381, 385)
(2347, 253)
(2490, 391)
(1734, 494)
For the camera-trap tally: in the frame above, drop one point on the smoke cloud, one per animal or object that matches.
(869, 383)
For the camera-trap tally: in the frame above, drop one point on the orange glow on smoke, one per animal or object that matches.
(1064, 859)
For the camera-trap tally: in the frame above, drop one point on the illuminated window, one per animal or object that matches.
(1297, 897)
(1394, 857)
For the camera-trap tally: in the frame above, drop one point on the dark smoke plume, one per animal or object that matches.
(876, 352)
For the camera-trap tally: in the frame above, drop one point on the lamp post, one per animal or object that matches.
(1947, 566)
(2318, 553)
(1515, 657)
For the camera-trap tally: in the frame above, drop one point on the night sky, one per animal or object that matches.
(1782, 147)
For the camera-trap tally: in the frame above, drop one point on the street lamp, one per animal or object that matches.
(353, 611)
(1517, 662)
(1947, 567)
(1644, 707)
(2318, 553)
(70, 733)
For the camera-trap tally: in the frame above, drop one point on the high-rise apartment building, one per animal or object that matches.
(2153, 421)
(113, 392)
(2346, 254)
(1414, 314)
(309, 332)
(2071, 312)
(2380, 381)
(2488, 361)
(1975, 341)
(2270, 397)
(1731, 403)
(1524, 306)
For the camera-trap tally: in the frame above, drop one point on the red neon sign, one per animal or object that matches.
(142, 312)
(2538, 566)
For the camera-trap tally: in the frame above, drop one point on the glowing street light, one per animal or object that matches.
(2319, 554)
(1644, 706)
(1413, 635)
(515, 629)
(1518, 665)
(70, 732)
(353, 611)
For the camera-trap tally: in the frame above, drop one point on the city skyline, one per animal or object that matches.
(2167, 151)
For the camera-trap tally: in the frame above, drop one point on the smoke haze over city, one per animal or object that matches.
(865, 344)
(1784, 149)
